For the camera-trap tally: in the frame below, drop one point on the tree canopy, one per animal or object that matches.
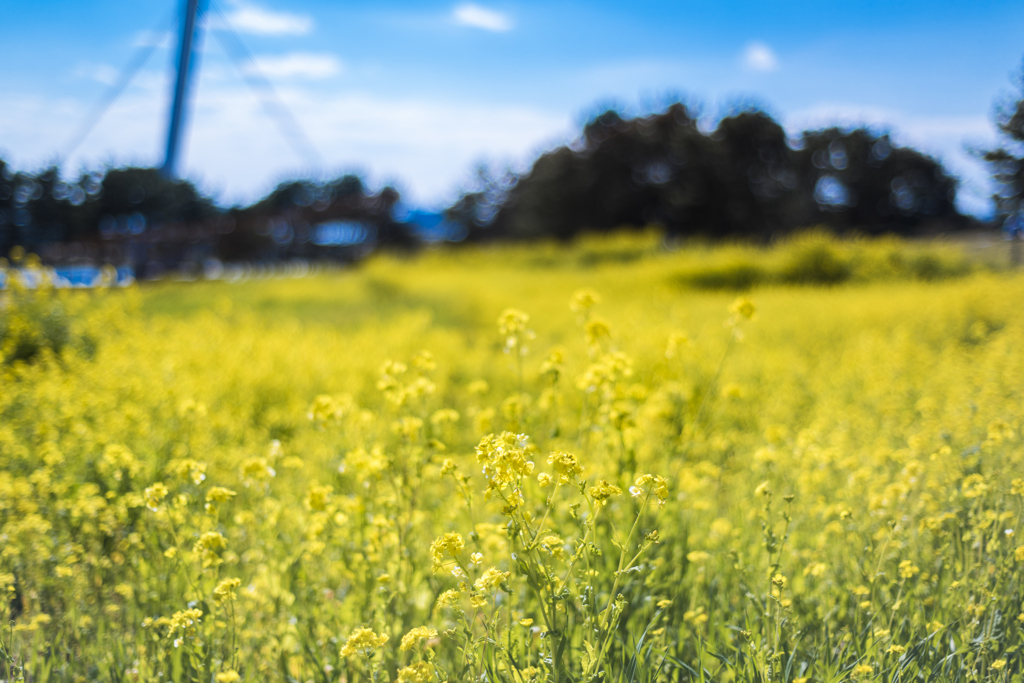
(1007, 160)
(745, 178)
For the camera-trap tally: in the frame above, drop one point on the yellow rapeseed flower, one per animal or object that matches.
(566, 465)
(512, 321)
(209, 546)
(815, 569)
(595, 330)
(154, 495)
(183, 624)
(657, 484)
(504, 458)
(413, 637)
(417, 672)
(908, 569)
(743, 307)
(363, 641)
(491, 578)
(449, 598)
(318, 496)
(448, 545)
(225, 590)
(219, 494)
(583, 300)
(602, 491)
(187, 469)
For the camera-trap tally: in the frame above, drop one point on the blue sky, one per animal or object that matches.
(418, 93)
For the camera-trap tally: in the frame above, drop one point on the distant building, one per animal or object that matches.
(432, 227)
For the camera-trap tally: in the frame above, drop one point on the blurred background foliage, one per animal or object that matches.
(742, 179)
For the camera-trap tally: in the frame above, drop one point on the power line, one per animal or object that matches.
(128, 73)
(248, 69)
(267, 95)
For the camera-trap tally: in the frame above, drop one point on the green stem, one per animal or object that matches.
(714, 380)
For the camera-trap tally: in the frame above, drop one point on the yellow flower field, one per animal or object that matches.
(596, 463)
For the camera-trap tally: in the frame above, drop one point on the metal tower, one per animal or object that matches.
(187, 59)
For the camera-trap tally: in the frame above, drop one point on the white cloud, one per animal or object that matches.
(233, 148)
(468, 14)
(759, 57)
(245, 18)
(427, 147)
(103, 73)
(152, 39)
(299, 65)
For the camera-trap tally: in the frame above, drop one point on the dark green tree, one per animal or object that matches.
(1007, 161)
(859, 180)
(743, 179)
(148, 192)
(36, 209)
(476, 208)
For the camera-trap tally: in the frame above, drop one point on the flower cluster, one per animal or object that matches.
(504, 458)
(447, 546)
(363, 641)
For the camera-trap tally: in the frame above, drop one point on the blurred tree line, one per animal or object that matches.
(138, 216)
(744, 179)
(40, 208)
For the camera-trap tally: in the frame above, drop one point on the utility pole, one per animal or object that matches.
(186, 63)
